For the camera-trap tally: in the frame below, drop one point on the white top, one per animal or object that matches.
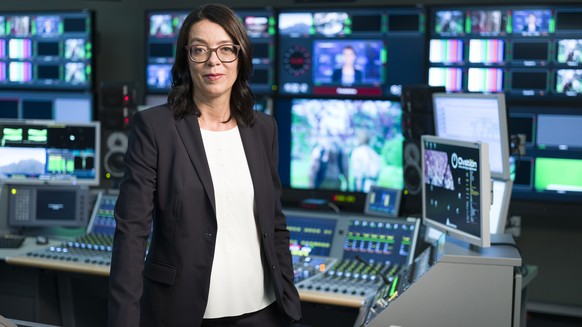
(238, 284)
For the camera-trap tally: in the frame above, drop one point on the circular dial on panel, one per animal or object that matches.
(297, 60)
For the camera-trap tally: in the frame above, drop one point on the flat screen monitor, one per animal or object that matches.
(456, 192)
(163, 26)
(476, 117)
(339, 145)
(383, 201)
(46, 50)
(349, 52)
(49, 152)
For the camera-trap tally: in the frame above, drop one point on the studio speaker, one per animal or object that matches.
(417, 120)
(117, 106)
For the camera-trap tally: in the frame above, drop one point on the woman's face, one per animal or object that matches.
(349, 57)
(213, 78)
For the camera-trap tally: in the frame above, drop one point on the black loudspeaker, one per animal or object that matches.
(417, 120)
(117, 105)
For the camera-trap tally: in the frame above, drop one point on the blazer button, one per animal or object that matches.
(273, 267)
(265, 235)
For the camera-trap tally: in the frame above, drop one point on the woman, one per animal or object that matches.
(348, 74)
(201, 175)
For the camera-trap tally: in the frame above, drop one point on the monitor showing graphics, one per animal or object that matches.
(456, 193)
(383, 201)
(476, 117)
(49, 152)
(355, 52)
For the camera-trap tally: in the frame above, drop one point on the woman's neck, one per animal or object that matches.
(216, 117)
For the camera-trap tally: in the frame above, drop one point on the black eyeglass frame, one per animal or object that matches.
(211, 50)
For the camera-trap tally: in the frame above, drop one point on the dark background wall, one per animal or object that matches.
(551, 233)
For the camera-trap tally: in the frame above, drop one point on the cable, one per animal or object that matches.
(384, 278)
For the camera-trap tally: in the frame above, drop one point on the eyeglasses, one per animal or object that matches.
(201, 53)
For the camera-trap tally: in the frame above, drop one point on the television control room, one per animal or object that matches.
(428, 156)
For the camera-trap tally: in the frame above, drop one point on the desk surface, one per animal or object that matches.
(19, 257)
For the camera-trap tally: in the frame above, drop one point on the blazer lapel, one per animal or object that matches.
(189, 131)
(252, 144)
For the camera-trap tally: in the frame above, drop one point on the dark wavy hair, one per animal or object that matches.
(181, 96)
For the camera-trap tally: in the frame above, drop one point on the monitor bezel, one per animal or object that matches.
(484, 239)
(503, 125)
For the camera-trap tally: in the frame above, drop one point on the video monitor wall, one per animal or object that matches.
(551, 168)
(364, 52)
(162, 33)
(46, 50)
(523, 51)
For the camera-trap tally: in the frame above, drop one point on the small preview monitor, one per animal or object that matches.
(383, 201)
(488, 22)
(449, 22)
(49, 152)
(456, 193)
(569, 51)
(476, 117)
(532, 22)
(569, 82)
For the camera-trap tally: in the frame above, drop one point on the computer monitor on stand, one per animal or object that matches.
(456, 190)
(480, 117)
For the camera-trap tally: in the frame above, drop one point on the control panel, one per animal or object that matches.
(90, 252)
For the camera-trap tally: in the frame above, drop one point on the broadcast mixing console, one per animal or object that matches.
(89, 253)
(344, 259)
(340, 259)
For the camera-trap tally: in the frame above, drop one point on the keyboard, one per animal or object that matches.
(11, 241)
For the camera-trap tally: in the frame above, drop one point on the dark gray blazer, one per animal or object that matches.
(167, 182)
